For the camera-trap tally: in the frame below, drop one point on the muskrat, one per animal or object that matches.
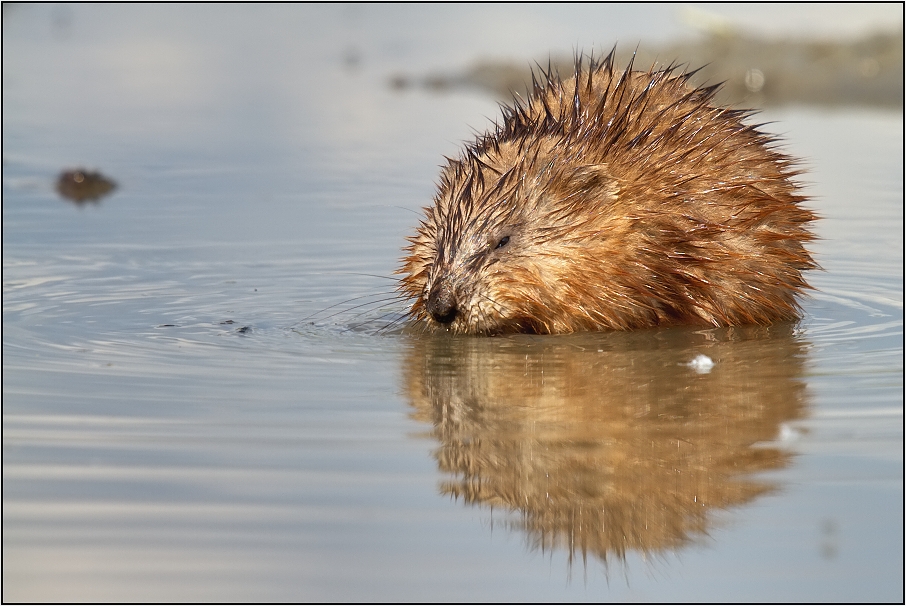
(616, 199)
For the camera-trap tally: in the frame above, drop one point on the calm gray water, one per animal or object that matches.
(185, 419)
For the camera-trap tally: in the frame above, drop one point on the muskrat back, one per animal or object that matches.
(616, 199)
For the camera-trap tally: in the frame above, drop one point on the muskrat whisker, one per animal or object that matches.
(394, 297)
(335, 305)
(394, 323)
(352, 273)
(376, 319)
(414, 212)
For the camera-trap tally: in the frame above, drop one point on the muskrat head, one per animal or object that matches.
(612, 200)
(501, 249)
(482, 240)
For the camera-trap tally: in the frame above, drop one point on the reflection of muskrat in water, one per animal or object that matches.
(613, 200)
(608, 443)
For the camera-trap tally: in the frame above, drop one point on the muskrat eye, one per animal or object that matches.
(503, 242)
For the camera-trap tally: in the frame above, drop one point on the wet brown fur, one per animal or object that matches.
(627, 201)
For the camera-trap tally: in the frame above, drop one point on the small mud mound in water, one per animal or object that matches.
(82, 186)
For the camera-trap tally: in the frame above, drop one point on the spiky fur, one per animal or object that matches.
(628, 200)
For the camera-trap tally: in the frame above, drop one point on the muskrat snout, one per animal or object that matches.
(442, 303)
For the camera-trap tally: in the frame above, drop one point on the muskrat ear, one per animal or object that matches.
(593, 179)
(591, 175)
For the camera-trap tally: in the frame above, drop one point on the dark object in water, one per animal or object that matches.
(81, 186)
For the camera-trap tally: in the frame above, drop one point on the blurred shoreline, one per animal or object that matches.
(755, 72)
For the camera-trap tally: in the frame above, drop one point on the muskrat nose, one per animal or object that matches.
(442, 303)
